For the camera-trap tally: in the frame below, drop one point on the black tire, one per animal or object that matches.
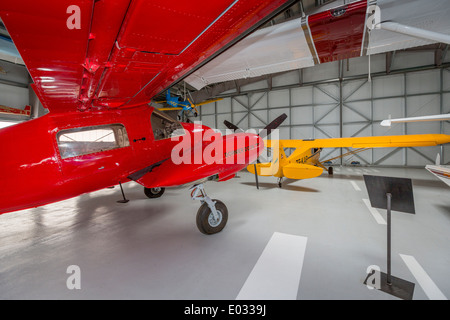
(154, 192)
(330, 171)
(205, 218)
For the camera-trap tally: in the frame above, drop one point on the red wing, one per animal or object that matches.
(84, 53)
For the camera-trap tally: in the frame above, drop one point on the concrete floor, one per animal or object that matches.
(151, 248)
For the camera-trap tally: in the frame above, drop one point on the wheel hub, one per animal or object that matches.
(155, 190)
(212, 221)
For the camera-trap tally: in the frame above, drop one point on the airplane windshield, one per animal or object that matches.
(164, 127)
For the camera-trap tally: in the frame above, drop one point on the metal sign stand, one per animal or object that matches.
(391, 194)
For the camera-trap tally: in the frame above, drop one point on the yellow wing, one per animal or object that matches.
(418, 140)
(170, 109)
(207, 101)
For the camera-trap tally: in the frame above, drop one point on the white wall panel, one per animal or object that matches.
(326, 94)
(356, 90)
(423, 82)
(357, 111)
(220, 119)
(302, 115)
(302, 96)
(286, 79)
(321, 72)
(273, 114)
(326, 114)
(209, 121)
(395, 158)
(423, 127)
(446, 102)
(279, 98)
(255, 86)
(356, 130)
(240, 119)
(239, 103)
(224, 105)
(14, 97)
(207, 109)
(405, 59)
(303, 132)
(382, 108)
(258, 119)
(423, 105)
(421, 156)
(258, 100)
(358, 66)
(446, 78)
(388, 86)
(284, 133)
(325, 132)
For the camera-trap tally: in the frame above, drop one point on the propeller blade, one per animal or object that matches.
(231, 126)
(273, 125)
(267, 130)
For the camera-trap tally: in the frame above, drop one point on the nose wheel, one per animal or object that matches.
(212, 216)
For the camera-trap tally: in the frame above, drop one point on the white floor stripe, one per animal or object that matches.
(374, 212)
(376, 171)
(424, 280)
(350, 169)
(276, 275)
(355, 186)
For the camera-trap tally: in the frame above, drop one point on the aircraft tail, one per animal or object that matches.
(260, 169)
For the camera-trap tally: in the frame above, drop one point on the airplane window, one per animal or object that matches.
(82, 141)
(164, 127)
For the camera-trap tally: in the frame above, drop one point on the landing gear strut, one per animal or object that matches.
(280, 181)
(212, 215)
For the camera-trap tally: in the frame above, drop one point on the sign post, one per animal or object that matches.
(392, 194)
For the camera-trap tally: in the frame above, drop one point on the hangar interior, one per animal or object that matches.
(151, 248)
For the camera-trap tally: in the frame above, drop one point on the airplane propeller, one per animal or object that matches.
(264, 133)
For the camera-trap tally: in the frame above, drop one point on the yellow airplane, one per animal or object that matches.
(304, 162)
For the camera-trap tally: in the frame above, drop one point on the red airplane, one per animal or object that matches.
(96, 65)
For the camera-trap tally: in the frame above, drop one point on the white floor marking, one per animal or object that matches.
(355, 186)
(276, 275)
(424, 280)
(374, 212)
(376, 171)
(350, 169)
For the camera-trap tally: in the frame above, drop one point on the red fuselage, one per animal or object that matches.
(36, 172)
